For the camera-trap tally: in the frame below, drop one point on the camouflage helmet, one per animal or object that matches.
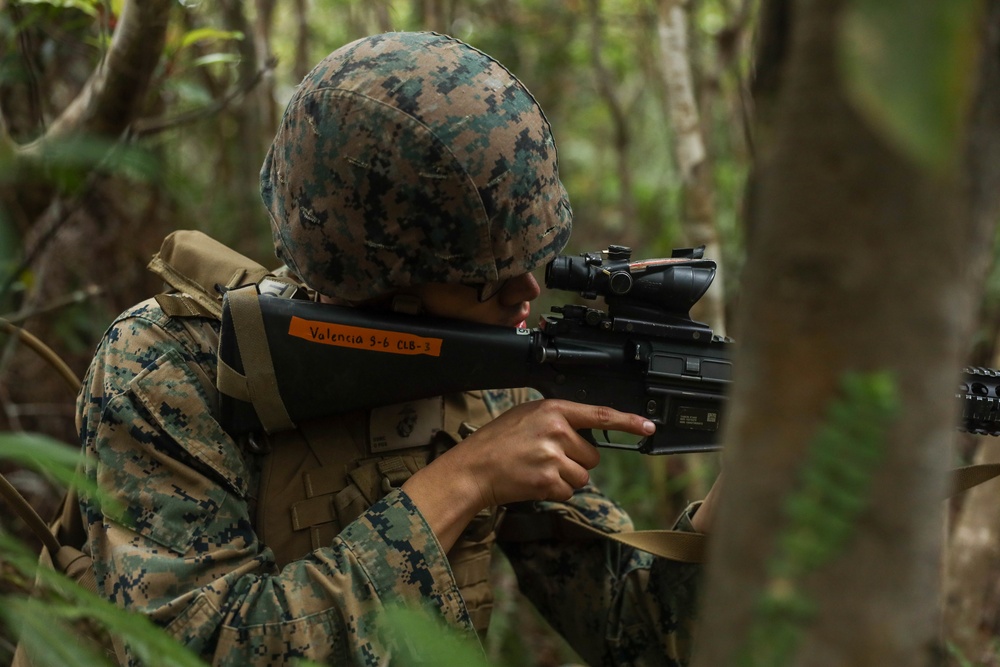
(410, 158)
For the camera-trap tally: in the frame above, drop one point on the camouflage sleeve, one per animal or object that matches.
(180, 545)
(615, 605)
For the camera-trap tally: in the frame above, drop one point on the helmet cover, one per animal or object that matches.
(411, 158)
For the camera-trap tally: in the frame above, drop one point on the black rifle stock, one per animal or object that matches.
(644, 355)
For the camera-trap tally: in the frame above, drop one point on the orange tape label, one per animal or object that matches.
(361, 338)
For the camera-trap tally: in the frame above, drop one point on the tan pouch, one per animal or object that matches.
(193, 263)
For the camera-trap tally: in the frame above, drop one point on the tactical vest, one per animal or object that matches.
(320, 476)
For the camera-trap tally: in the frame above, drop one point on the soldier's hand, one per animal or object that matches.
(534, 451)
(531, 452)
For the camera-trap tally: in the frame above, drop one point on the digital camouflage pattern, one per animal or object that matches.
(184, 549)
(408, 158)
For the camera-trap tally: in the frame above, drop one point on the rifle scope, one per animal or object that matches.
(674, 284)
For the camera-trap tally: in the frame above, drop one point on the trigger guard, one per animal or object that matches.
(588, 435)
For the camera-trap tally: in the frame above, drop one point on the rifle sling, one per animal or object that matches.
(675, 545)
(680, 546)
(248, 322)
(966, 477)
(231, 382)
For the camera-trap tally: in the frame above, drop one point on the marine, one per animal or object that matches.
(410, 172)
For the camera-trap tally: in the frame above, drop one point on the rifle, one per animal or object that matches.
(285, 359)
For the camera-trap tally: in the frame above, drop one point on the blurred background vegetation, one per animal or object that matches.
(81, 212)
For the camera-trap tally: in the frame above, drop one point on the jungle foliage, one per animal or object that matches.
(658, 135)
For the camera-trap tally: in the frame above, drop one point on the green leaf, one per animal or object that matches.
(205, 34)
(213, 58)
(62, 603)
(420, 640)
(80, 154)
(41, 453)
(48, 641)
(909, 67)
(58, 460)
(88, 7)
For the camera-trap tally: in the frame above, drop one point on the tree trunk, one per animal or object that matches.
(302, 62)
(626, 229)
(698, 216)
(267, 122)
(857, 264)
(109, 102)
(972, 566)
(971, 592)
(249, 127)
(114, 95)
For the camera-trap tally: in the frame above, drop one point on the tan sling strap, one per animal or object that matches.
(257, 385)
(57, 536)
(193, 263)
(568, 524)
(963, 479)
(677, 545)
(673, 545)
(76, 565)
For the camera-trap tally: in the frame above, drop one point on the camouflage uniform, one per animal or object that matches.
(184, 549)
(185, 552)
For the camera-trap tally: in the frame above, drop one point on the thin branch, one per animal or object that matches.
(620, 125)
(8, 405)
(26, 49)
(59, 212)
(76, 296)
(151, 126)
